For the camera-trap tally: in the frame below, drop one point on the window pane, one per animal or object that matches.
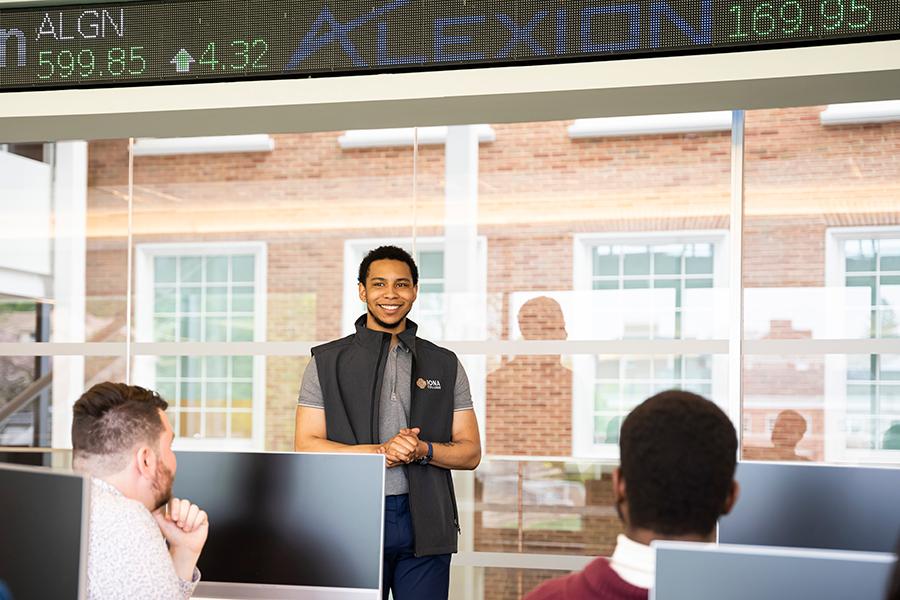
(667, 259)
(216, 395)
(242, 366)
(216, 425)
(190, 395)
(163, 329)
(190, 329)
(241, 329)
(164, 269)
(242, 299)
(241, 395)
(431, 265)
(860, 255)
(191, 367)
(216, 366)
(241, 425)
(165, 367)
(606, 261)
(191, 269)
(190, 299)
(216, 329)
(164, 300)
(636, 260)
(190, 424)
(217, 268)
(242, 269)
(216, 299)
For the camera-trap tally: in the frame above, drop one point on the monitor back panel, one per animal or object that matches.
(311, 520)
(43, 533)
(812, 506)
(710, 572)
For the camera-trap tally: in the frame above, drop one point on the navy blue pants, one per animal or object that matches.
(406, 575)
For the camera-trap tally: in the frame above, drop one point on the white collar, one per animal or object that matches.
(634, 562)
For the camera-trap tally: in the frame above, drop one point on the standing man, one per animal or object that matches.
(383, 390)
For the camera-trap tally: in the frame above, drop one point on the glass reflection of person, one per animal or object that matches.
(788, 431)
(526, 382)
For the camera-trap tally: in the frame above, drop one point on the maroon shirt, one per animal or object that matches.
(597, 582)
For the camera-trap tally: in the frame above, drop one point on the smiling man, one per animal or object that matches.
(383, 390)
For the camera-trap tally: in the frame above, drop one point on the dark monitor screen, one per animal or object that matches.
(288, 519)
(43, 533)
(711, 572)
(814, 506)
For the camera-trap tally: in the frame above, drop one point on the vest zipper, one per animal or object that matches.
(376, 392)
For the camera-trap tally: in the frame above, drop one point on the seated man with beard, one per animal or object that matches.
(143, 543)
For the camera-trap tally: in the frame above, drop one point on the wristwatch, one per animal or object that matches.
(427, 458)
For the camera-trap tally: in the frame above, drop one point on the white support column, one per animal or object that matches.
(461, 218)
(69, 260)
(461, 277)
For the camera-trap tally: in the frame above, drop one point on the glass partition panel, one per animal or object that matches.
(821, 273)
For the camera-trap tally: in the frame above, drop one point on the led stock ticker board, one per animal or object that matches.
(147, 42)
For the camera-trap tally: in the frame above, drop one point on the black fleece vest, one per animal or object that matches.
(351, 372)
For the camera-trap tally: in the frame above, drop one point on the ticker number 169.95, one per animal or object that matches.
(793, 17)
(115, 62)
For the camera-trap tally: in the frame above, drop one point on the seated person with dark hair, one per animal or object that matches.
(144, 544)
(678, 456)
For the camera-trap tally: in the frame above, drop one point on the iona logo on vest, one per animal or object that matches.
(431, 384)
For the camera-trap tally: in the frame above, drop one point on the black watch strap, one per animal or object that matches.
(428, 455)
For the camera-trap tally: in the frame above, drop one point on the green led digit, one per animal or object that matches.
(86, 63)
(115, 61)
(208, 58)
(259, 45)
(45, 59)
(863, 15)
(738, 11)
(137, 62)
(763, 22)
(832, 12)
(242, 52)
(791, 14)
(65, 60)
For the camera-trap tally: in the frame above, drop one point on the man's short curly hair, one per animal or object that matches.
(111, 418)
(678, 457)
(388, 253)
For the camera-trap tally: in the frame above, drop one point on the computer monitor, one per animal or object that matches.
(43, 532)
(815, 506)
(287, 525)
(712, 572)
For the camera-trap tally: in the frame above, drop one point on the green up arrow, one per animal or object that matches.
(182, 61)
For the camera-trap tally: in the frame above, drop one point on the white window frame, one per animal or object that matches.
(144, 371)
(583, 365)
(836, 364)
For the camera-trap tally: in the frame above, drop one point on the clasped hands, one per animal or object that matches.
(403, 448)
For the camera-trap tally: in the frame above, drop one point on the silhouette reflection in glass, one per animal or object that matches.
(891, 440)
(787, 433)
(525, 386)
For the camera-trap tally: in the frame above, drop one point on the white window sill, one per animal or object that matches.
(403, 136)
(220, 144)
(651, 125)
(861, 112)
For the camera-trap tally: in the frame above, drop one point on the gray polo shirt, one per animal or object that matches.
(394, 403)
